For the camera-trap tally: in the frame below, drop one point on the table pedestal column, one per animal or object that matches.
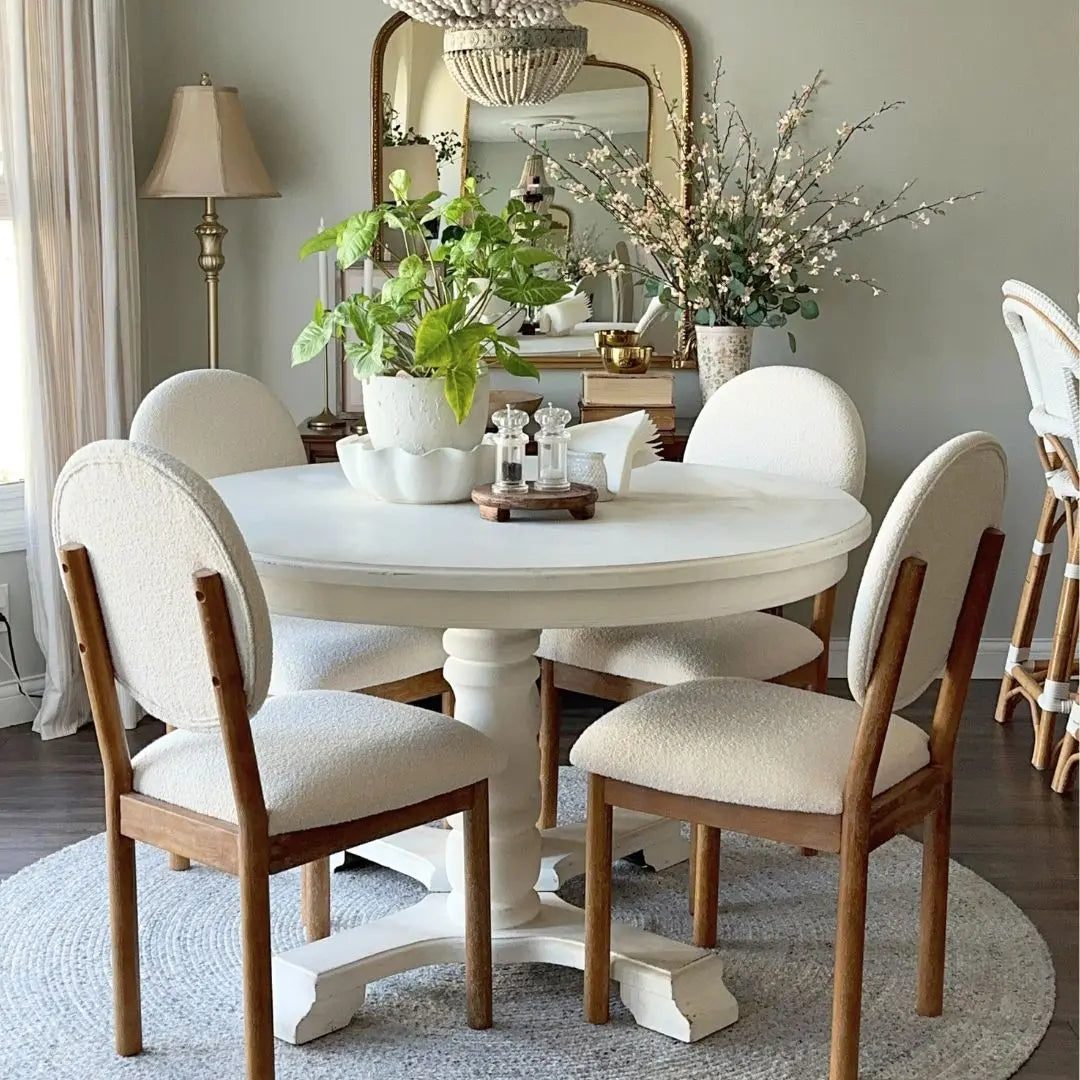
(670, 987)
(493, 675)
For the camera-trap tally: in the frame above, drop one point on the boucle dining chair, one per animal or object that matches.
(785, 420)
(221, 422)
(1048, 344)
(808, 769)
(167, 604)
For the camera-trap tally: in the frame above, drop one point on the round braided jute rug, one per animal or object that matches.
(776, 923)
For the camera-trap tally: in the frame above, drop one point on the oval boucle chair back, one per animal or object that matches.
(1048, 344)
(218, 422)
(785, 420)
(149, 523)
(939, 516)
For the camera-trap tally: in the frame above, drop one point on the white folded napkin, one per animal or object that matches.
(627, 442)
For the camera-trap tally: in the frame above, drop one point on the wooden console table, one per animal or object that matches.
(321, 446)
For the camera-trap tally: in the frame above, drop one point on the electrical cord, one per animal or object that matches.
(13, 664)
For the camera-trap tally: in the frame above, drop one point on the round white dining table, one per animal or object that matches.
(689, 541)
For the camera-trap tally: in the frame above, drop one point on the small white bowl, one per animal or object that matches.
(394, 475)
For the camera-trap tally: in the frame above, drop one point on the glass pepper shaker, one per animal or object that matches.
(551, 445)
(510, 442)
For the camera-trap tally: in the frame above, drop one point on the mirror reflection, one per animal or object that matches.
(425, 125)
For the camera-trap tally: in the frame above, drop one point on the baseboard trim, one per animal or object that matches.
(14, 708)
(989, 661)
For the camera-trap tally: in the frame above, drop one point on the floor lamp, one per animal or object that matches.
(208, 154)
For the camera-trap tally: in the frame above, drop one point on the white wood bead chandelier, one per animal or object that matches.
(505, 53)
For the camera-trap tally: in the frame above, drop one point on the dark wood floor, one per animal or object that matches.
(1008, 827)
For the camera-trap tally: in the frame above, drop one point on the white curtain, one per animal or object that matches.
(66, 110)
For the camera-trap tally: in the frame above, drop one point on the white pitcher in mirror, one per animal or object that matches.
(722, 353)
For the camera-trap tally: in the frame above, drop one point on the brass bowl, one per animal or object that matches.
(607, 338)
(627, 359)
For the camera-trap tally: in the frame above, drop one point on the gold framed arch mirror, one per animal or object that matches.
(422, 122)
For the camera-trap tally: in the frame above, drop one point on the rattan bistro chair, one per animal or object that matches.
(1048, 344)
(822, 772)
(785, 420)
(167, 604)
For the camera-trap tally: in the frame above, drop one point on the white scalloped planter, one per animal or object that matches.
(413, 414)
(394, 475)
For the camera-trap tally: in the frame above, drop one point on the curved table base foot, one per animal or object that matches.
(672, 988)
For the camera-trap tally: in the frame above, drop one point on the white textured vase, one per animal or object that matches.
(414, 415)
(722, 353)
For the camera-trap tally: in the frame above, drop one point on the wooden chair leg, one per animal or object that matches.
(1061, 658)
(1067, 763)
(848, 971)
(478, 911)
(597, 905)
(692, 868)
(446, 702)
(1068, 755)
(255, 932)
(177, 862)
(315, 898)
(1028, 610)
(821, 624)
(124, 920)
(934, 908)
(550, 727)
(706, 886)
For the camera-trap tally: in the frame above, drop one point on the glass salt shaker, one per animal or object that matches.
(510, 442)
(551, 445)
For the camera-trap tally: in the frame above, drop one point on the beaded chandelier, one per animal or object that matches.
(505, 53)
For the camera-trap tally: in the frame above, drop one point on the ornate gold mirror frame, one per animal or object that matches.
(599, 55)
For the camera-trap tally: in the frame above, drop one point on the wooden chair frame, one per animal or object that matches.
(315, 878)
(865, 823)
(246, 850)
(617, 688)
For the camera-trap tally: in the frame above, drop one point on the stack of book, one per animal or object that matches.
(604, 396)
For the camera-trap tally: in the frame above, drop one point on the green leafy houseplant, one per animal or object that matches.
(429, 319)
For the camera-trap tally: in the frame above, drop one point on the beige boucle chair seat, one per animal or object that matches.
(754, 645)
(324, 757)
(743, 742)
(316, 654)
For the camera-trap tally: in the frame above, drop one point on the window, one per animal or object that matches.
(11, 398)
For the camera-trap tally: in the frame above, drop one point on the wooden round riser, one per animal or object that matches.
(579, 501)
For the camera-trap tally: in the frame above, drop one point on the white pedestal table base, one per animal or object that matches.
(671, 988)
(674, 989)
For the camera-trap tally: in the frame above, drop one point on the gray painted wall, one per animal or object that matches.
(992, 105)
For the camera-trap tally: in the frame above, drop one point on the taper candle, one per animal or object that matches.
(324, 273)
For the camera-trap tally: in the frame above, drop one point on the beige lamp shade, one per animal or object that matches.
(208, 151)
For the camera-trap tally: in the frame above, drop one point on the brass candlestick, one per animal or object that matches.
(327, 420)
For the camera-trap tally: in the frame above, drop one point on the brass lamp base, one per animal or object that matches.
(325, 421)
